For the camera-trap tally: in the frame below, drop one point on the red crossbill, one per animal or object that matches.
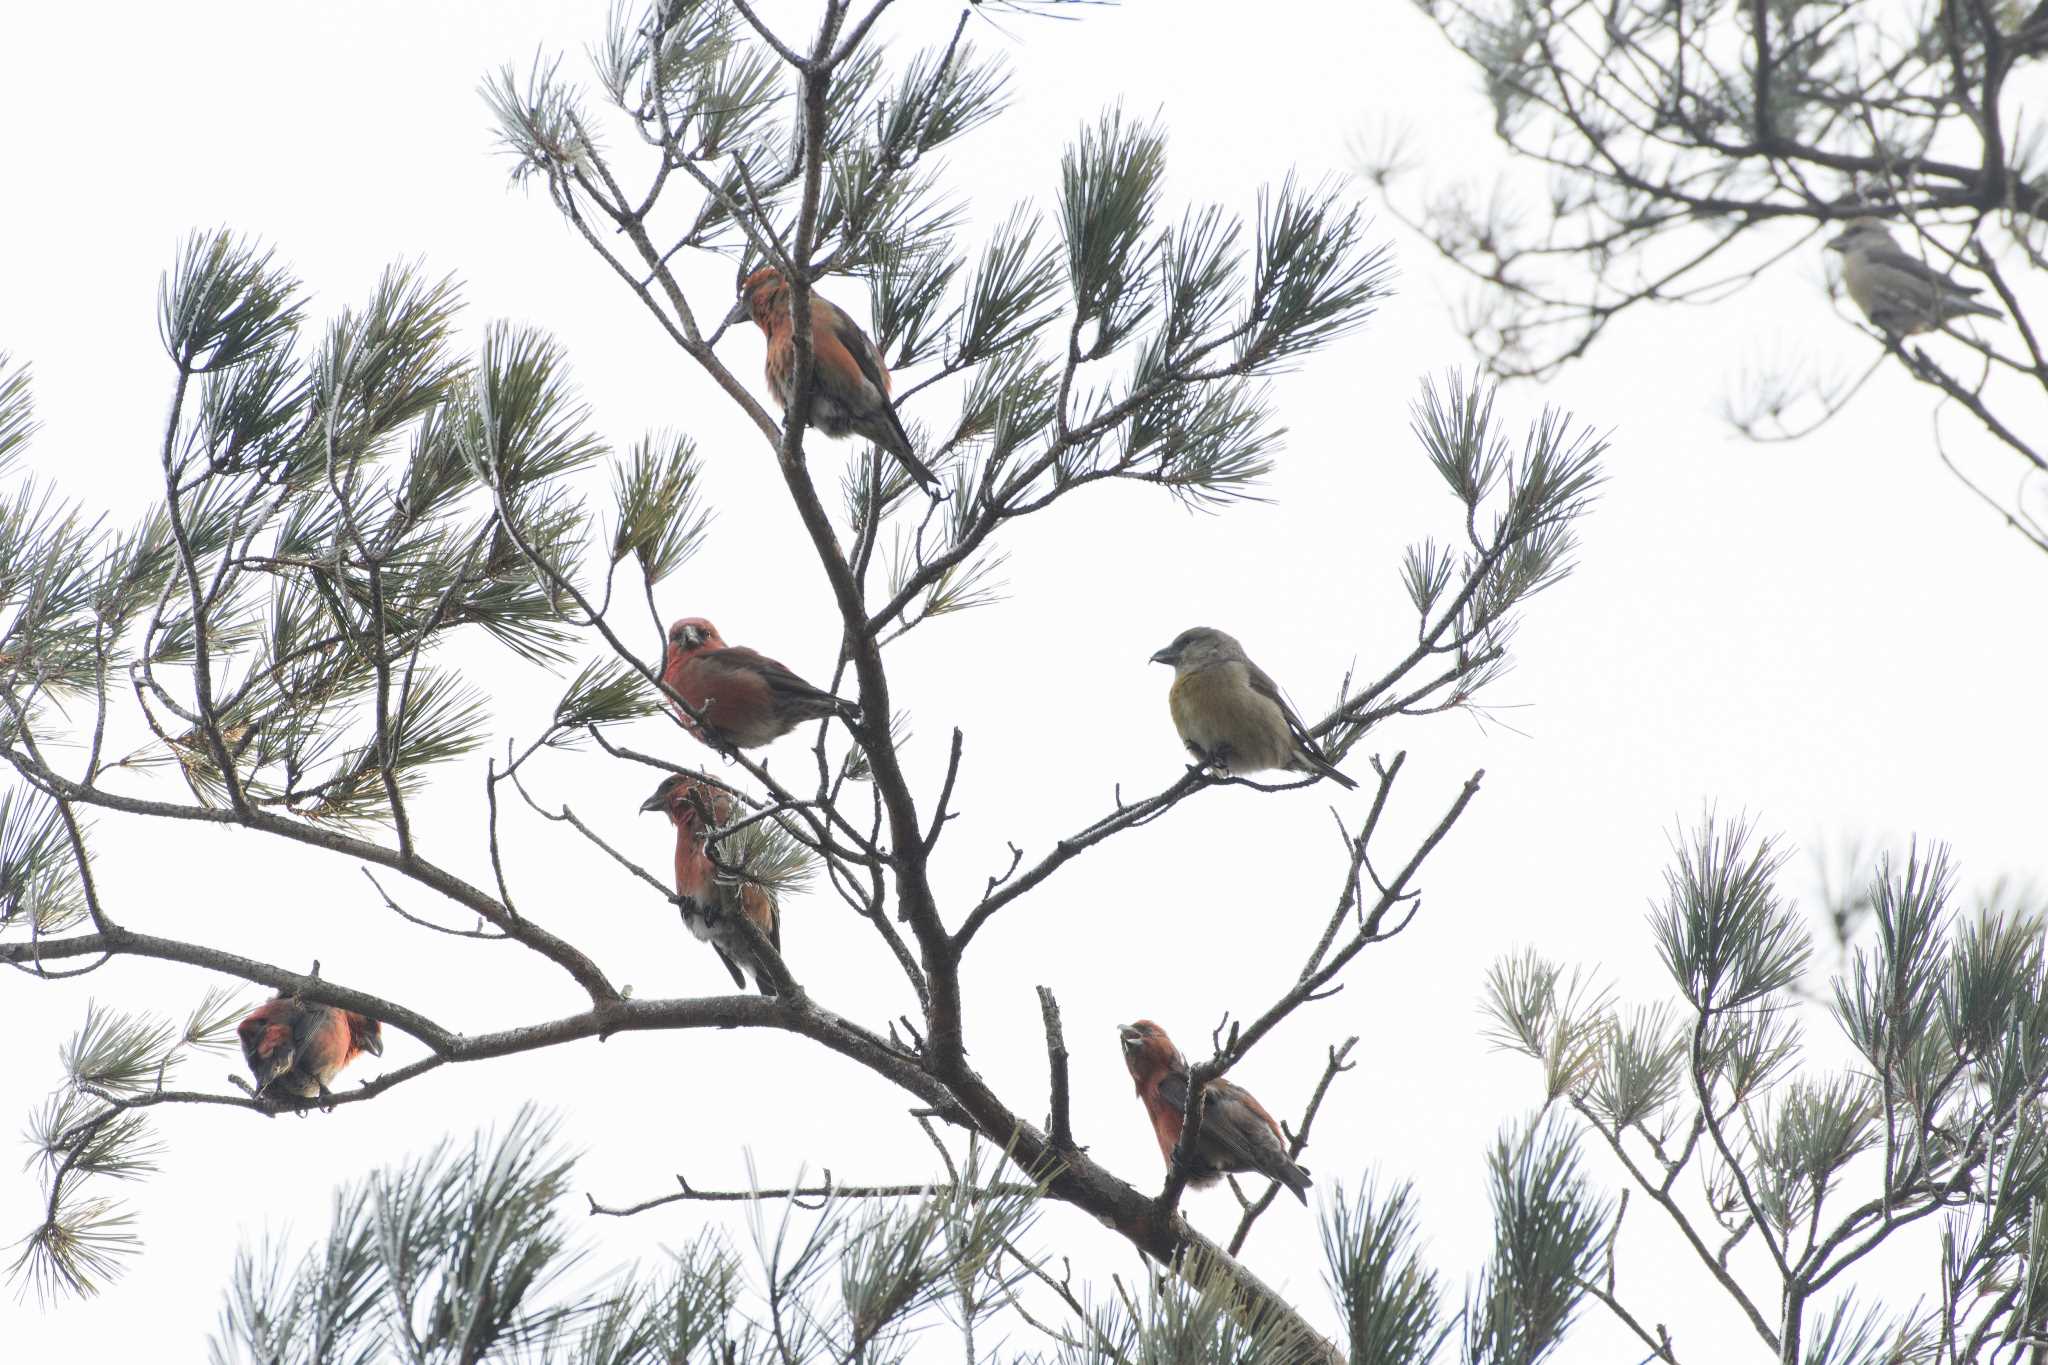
(850, 384)
(1231, 715)
(1237, 1132)
(1896, 290)
(745, 698)
(296, 1047)
(710, 904)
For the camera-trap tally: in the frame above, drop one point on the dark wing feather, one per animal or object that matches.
(266, 1044)
(1241, 1126)
(780, 680)
(1266, 687)
(1226, 1124)
(321, 1039)
(868, 360)
(1173, 1090)
(1892, 257)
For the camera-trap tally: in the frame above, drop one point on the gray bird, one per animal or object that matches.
(1897, 291)
(1231, 715)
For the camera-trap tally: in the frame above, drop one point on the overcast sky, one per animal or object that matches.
(1831, 636)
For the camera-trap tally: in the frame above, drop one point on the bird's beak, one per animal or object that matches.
(374, 1045)
(1166, 656)
(658, 801)
(1127, 1035)
(737, 314)
(1837, 245)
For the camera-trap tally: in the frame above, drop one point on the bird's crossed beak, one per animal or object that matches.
(658, 801)
(1836, 245)
(1127, 1035)
(1166, 656)
(374, 1045)
(737, 314)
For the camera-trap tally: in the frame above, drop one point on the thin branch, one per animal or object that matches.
(1662, 1195)
(1297, 1142)
(825, 1192)
(411, 918)
(1061, 1133)
(571, 959)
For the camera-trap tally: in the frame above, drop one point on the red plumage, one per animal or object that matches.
(745, 698)
(1237, 1132)
(295, 1048)
(710, 905)
(850, 384)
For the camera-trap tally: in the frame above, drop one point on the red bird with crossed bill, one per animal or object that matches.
(744, 698)
(295, 1048)
(1238, 1135)
(849, 384)
(711, 905)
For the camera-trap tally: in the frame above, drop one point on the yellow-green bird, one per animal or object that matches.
(1231, 715)
(1896, 290)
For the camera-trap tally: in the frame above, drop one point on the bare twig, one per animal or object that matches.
(826, 1191)
(1297, 1142)
(1061, 1132)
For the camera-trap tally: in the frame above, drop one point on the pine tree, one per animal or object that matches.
(1689, 150)
(353, 507)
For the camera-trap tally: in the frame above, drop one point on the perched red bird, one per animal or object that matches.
(746, 699)
(296, 1047)
(850, 384)
(1237, 1132)
(710, 905)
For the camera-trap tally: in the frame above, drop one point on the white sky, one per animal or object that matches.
(1832, 636)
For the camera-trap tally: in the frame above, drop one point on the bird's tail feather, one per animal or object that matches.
(739, 978)
(814, 703)
(899, 446)
(1309, 759)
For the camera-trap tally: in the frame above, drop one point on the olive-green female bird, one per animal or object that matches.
(1231, 715)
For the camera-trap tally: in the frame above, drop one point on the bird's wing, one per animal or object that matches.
(1912, 302)
(266, 1044)
(1266, 687)
(1173, 1090)
(841, 333)
(780, 680)
(1241, 1126)
(1317, 759)
(1889, 257)
(320, 1037)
